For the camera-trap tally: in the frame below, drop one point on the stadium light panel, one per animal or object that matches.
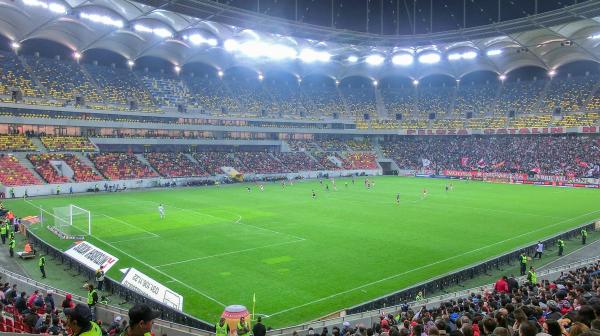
(594, 37)
(337, 82)
(102, 19)
(375, 83)
(15, 45)
(352, 59)
(57, 8)
(415, 82)
(261, 77)
(403, 59)
(177, 68)
(310, 55)
(220, 73)
(231, 45)
(552, 73)
(253, 48)
(454, 57)
(162, 32)
(430, 58)
(198, 39)
(142, 29)
(130, 63)
(494, 52)
(76, 55)
(280, 52)
(375, 59)
(502, 77)
(469, 55)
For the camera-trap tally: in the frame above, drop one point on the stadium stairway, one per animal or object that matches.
(593, 92)
(91, 80)
(344, 101)
(84, 159)
(380, 105)
(145, 162)
(35, 79)
(39, 145)
(542, 97)
(22, 157)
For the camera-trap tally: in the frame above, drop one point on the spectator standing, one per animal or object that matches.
(68, 302)
(539, 250)
(49, 301)
(100, 277)
(501, 285)
(21, 303)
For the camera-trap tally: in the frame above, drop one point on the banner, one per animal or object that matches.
(91, 256)
(520, 130)
(143, 284)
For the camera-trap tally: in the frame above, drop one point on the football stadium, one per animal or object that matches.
(324, 167)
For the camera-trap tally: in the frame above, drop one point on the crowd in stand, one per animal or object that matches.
(118, 166)
(67, 143)
(550, 155)
(174, 165)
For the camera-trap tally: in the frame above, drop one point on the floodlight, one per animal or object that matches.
(337, 82)
(375, 83)
(142, 28)
(76, 55)
(103, 19)
(220, 73)
(494, 52)
(502, 77)
(177, 68)
(469, 55)
(261, 77)
(15, 45)
(130, 63)
(162, 32)
(280, 51)
(299, 79)
(429, 58)
(403, 59)
(415, 82)
(57, 8)
(454, 57)
(310, 55)
(352, 59)
(594, 36)
(375, 59)
(552, 73)
(231, 45)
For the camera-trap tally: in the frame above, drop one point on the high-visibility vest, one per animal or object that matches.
(3, 229)
(532, 277)
(90, 297)
(561, 243)
(42, 261)
(584, 233)
(94, 331)
(11, 244)
(221, 330)
(241, 327)
(523, 259)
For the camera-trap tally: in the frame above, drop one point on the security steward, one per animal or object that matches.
(79, 321)
(561, 247)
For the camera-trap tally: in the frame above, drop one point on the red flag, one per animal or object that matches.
(464, 161)
(481, 163)
(536, 170)
(583, 164)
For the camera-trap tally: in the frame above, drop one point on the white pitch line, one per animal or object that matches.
(426, 266)
(230, 253)
(155, 269)
(130, 225)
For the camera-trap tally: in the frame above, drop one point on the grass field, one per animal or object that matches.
(305, 258)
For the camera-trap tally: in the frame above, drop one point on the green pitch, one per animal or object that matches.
(304, 257)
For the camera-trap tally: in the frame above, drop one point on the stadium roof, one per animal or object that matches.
(157, 28)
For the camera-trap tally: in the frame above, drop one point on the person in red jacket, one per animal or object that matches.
(501, 285)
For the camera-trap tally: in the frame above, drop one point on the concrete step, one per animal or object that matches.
(22, 157)
(83, 158)
(144, 161)
(39, 145)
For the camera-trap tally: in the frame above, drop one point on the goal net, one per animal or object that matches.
(70, 220)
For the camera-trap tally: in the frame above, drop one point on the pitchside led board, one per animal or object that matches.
(141, 283)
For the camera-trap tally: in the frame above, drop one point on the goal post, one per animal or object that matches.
(68, 221)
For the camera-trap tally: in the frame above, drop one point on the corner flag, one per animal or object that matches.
(253, 305)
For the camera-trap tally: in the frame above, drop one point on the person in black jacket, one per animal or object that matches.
(259, 328)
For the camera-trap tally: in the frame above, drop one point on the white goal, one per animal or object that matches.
(70, 220)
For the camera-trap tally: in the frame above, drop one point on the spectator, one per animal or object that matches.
(259, 329)
(79, 320)
(21, 303)
(141, 318)
(49, 301)
(68, 302)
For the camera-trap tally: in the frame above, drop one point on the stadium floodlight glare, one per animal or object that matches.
(502, 77)
(15, 45)
(552, 73)
(375, 59)
(231, 45)
(403, 59)
(352, 59)
(280, 52)
(308, 55)
(454, 57)
(177, 68)
(594, 37)
(415, 82)
(220, 73)
(375, 83)
(260, 77)
(198, 39)
(76, 55)
(130, 63)
(162, 32)
(494, 52)
(469, 55)
(337, 82)
(429, 58)
(253, 49)
(102, 19)
(57, 8)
